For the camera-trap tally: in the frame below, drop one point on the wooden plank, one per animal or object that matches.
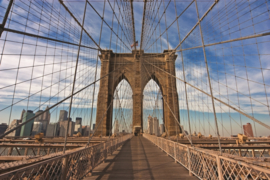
(41, 145)
(139, 159)
(234, 146)
(12, 158)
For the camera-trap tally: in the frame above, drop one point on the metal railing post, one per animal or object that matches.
(175, 153)
(189, 163)
(104, 152)
(64, 168)
(92, 162)
(219, 168)
(167, 148)
(111, 147)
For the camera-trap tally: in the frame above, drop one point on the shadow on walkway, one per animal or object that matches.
(139, 159)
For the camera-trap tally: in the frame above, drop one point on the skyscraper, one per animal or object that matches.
(63, 115)
(78, 120)
(52, 130)
(37, 128)
(3, 128)
(156, 126)
(23, 111)
(86, 130)
(26, 129)
(41, 122)
(12, 125)
(63, 127)
(150, 125)
(40, 117)
(248, 130)
(116, 127)
(78, 125)
(47, 115)
(161, 128)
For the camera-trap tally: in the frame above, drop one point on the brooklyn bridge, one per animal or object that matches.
(134, 89)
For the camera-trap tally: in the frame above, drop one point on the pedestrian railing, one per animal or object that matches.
(208, 164)
(74, 164)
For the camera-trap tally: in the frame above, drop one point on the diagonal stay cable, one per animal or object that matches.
(190, 140)
(63, 100)
(239, 111)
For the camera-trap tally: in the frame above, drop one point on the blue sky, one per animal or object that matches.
(239, 70)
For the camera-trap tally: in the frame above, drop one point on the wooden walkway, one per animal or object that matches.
(139, 159)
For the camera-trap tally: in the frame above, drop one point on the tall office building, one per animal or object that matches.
(85, 130)
(116, 127)
(78, 125)
(77, 128)
(156, 126)
(41, 122)
(12, 125)
(23, 111)
(248, 130)
(47, 115)
(63, 127)
(37, 128)
(78, 120)
(26, 129)
(94, 126)
(40, 117)
(52, 130)
(161, 128)
(150, 125)
(63, 115)
(3, 128)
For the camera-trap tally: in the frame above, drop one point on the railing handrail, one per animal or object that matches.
(69, 153)
(218, 159)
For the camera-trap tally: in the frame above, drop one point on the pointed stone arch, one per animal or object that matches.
(132, 67)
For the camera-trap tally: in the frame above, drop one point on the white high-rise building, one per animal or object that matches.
(161, 128)
(150, 125)
(156, 126)
(116, 127)
(12, 125)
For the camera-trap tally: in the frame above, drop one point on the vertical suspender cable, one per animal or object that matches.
(74, 80)
(209, 80)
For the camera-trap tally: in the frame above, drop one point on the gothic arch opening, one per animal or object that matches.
(122, 111)
(127, 66)
(153, 116)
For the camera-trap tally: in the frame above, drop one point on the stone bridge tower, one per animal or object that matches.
(136, 69)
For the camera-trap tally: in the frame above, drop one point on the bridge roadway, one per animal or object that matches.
(139, 159)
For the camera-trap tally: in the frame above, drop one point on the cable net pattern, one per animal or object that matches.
(217, 73)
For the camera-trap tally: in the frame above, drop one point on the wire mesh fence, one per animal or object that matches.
(207, 164)
(74, 164)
